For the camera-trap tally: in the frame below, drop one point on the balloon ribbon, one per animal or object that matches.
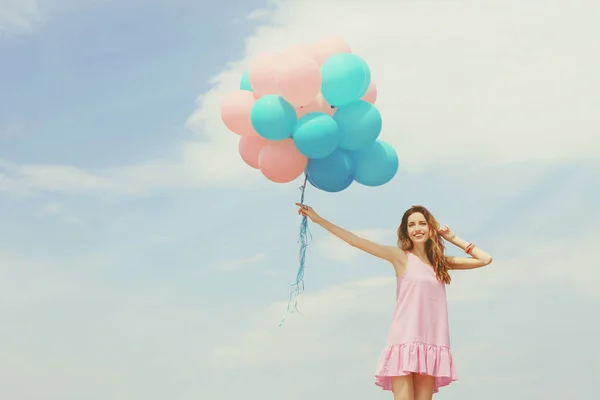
(305, 237)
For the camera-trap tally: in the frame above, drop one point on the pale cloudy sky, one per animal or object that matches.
(142, 259)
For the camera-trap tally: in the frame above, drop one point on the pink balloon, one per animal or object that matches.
(318, 104)
(298, 78)
(262, 74)
(371, 94)
(328, 46)
(281, 162)
(304, 49)
(249, 149)
(235, 112)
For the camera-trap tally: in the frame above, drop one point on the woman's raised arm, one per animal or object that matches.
(390, 253)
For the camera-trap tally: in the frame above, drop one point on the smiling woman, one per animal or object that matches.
(416, 360)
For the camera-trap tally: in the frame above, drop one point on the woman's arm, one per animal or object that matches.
(479, 258)
(392, 254)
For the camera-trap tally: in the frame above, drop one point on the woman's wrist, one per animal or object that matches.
(466, 246)
(459, 242)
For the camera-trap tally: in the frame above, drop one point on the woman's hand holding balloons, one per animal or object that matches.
(307, 211)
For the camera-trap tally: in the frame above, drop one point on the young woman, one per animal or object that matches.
(417, 360)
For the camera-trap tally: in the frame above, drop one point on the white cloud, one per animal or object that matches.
(199, 168)
(236, 264)
(11, 131)
(52, 209)
(567, 262)
(74, 334)
(254, 15)
(19, 16)
(257, 14)
(267, 344)
(28, 280)
(459, 83)
(26, 179)
(333, 248)
(59, 210)
(201, 165)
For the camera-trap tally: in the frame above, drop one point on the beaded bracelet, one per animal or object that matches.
(469, 248)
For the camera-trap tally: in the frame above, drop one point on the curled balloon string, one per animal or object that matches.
(305, 237)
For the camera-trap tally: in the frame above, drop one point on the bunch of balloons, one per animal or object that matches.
(310, 109)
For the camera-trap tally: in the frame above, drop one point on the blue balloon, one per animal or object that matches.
(360, 124)
(316, 135)
(345, 78)
(376, 164)
(311, 182)
(333, 173)
(245, 82)
(273, 118)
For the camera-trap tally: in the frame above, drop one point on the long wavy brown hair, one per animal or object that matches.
(434, 246)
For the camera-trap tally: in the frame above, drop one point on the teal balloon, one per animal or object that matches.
(316, 135)
(311, 181)
(273, 118)
(360, 123)
(345, 78)
(333, 173)
(376, 164)
(245, 82)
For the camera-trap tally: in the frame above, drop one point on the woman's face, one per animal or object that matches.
(418, 228)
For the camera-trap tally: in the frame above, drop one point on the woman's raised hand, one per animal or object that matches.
(307, 211)
(446, 233)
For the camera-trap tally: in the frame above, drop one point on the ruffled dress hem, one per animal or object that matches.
(415, 357)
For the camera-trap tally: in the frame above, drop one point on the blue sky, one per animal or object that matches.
(141, 259)
(127, 72)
